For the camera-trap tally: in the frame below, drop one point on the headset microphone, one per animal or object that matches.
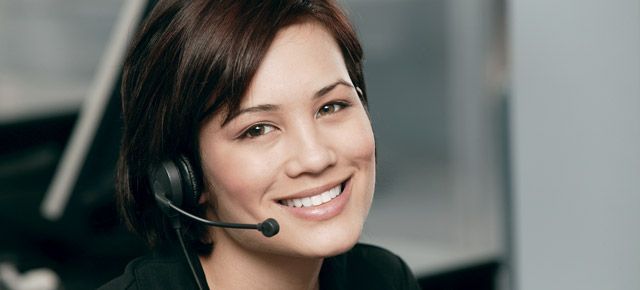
(174, 183)
(268, 227)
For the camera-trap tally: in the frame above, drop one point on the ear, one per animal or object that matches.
(205, 193)
(204, 197)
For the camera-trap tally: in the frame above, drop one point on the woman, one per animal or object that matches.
(261, 105)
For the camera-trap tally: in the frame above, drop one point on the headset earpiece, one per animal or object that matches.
(175, 181)
(166, 186)
(191, 186)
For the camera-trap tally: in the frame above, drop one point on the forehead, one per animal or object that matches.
(302, 59)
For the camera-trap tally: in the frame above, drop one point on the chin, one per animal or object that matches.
(332, 244)
(339, 249)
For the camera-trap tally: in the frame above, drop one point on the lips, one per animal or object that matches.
(314, 200)
(318, 204)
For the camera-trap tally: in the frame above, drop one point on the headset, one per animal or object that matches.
(176, 187)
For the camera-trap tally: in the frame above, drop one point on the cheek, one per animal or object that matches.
(357, 141)
(235, 175)
(360, 149)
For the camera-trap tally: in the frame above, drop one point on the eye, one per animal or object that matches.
(257, 130)
(331, 108)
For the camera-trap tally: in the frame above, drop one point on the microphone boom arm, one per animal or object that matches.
(212, 223)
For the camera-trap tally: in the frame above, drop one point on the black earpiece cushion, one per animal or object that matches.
(191, 187)
(165, 182)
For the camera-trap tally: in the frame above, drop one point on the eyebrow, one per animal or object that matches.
(325, 90)
(270, 108)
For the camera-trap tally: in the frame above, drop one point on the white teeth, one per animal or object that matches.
(306, 201)
(314, 200)
(325, 197)
(335, 191)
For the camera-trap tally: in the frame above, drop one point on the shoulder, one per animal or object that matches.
(374, 256)
(370, 259)
(127, 280)
(154, 271)
(371, 267)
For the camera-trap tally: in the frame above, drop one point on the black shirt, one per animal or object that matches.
(362, 267)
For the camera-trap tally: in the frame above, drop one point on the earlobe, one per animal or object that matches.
(203, 197)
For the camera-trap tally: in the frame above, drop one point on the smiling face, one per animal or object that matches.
(300, 150)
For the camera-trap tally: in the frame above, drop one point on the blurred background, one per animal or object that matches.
(508, 136)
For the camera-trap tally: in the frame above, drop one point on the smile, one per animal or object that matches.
(315, 200)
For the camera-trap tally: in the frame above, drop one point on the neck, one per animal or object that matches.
(230, 266)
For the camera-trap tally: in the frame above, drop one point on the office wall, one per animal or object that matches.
(576, 144)
(434, 100)
(49, 53)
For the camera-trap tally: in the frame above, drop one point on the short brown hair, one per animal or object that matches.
(191, 59)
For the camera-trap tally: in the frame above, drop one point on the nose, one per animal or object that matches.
(311, 152)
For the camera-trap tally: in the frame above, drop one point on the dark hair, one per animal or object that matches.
(193, 58)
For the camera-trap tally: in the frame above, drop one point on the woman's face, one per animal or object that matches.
(301, 151)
